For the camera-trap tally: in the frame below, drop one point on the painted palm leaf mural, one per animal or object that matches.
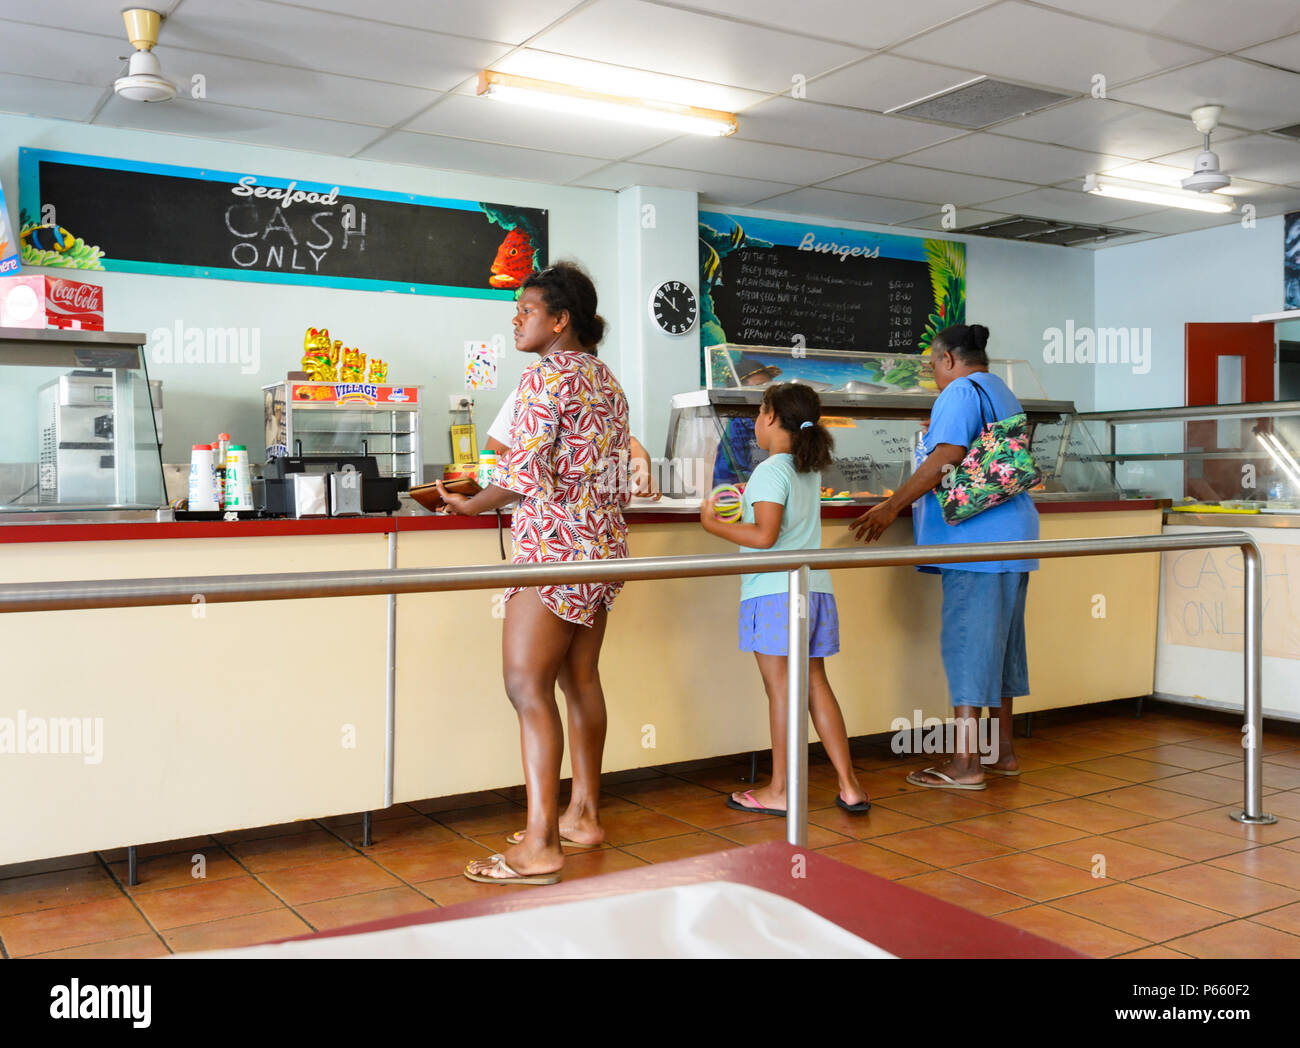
(947, 261)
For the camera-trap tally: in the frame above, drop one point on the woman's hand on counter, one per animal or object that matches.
(872, 524)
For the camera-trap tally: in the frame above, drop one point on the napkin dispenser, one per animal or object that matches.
(310, 495)
(345, 493)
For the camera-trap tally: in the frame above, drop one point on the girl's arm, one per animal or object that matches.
(761, 534)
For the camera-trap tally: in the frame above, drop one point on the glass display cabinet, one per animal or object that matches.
(1238, 456)
(78, 423)
(874, 405)
(347, 418)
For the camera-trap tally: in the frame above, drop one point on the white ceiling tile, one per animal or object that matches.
(866, 25)
(853, 207)
(82, 58)
(1107, 126)
(233, 124)
(482, 158)
(511, 21)
(690, 44)
(1223, 27)
(1046, 47)
(907, 182)
(1175, 220)
(729, 156)
(1284, 52)
(997, 157)
(621, 80)
(719, 189)
(794, 122)
(1261, 158)
(962, 218)
(48, 98)
(292, 36)
(1252, 96)
(1070, 206)
(467, 116)
(883, 82)
(90, 16)
(301, 92)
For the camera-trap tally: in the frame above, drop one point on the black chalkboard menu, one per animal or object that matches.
(157, 218)
(774, 283)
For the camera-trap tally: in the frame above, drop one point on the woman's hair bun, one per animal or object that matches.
(979, 336)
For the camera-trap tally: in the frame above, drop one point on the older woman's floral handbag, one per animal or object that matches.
(998, 467)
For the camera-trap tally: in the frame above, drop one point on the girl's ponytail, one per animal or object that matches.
(798, 409)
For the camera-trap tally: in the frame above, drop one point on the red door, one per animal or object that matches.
(1242, 356)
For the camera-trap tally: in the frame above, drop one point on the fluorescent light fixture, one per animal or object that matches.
(578, 101)
(1145, 193)
(1163, 175)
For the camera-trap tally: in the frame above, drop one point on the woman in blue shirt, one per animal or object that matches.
(983, 635)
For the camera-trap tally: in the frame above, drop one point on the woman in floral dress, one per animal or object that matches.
(567, 466)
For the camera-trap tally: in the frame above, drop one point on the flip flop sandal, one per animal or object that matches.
(753, 806)
(499, 863)
(518, 838)
(947, 784)
(861, 808)
(999, 771)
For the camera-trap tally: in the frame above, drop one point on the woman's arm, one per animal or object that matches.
(762, 534)
(639, 463)
(495, 445)
(928, 476)
(490, 498)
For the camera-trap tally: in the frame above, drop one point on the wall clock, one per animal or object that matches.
(673, 307)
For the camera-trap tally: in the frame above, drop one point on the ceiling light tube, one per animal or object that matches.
(564, 98)
(1147, 193)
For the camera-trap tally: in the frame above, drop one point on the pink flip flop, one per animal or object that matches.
(753, 805)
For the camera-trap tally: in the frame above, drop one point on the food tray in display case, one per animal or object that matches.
(875, 423)
(347, 418)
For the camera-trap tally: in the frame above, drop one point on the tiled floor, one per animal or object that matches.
(1115, 840)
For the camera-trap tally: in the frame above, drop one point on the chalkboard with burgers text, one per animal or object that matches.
(770, 283)
(91, 212)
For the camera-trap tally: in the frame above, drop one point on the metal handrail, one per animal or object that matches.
(215, 589)
(1254, 409)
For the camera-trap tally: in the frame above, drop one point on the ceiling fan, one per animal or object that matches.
(1206, 176)
(144, 81)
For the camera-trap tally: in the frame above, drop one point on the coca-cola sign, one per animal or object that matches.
(54, 302)
(82, 297)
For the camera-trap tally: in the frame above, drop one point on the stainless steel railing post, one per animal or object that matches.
(1252, 649)
(796, 736)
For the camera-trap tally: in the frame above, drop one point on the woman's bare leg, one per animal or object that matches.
(585, 701)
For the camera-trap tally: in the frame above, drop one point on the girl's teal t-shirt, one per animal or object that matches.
(776, 480)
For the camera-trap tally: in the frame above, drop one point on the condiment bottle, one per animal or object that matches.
(221, 448)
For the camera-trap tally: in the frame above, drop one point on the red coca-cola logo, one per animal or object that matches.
(84, 297)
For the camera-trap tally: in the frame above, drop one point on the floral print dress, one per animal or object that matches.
(569, 443)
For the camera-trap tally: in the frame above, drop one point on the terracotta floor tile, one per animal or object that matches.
(1130, 768)
(1139, 912)
(726, 778)
(1286, 919)
(637, 825)
(869, 857)
(1058, 752)
(1288, 759)
(774, 830)
(35, 866)
(258, 833)
(279, 853)
(1157, 803)
(1187, 842)
(132, 947)
(234, 932)
(368, 906)
(1276, 776)
(686, 847)
(1269, 863)
(1088, 815)
(1033, 876)
(1217, 820)
(449, 891)
(401, 833)
(707, 812)
(1283, 804)
(1117, 860)
(593, 864)
(232, 897)
(502, 817)
(1155, 953)
(1181, 756)
(860, 827)
(456, 802)
(1011, 794)
(1232, 893)
(1071, 780)
(1096, 940)
(397, 811)
(89, 922)
(654, 793)
(1110, 741)
(46, 891)
(1018, 831)
(1229, 744)
(179, 869)
(1210, 787)
(432, 861)
(938, 806)
(149, 851)
(941, 846)
(328, 880)
(964, 892)
(1240, 939)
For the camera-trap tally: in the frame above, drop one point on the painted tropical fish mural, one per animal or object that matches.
(522, 250)
(52, 245)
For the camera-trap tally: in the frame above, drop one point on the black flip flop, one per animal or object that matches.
(760, 810)
(861, 808)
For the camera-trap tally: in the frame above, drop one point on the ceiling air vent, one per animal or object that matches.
(979, 103)
(1045, 231)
